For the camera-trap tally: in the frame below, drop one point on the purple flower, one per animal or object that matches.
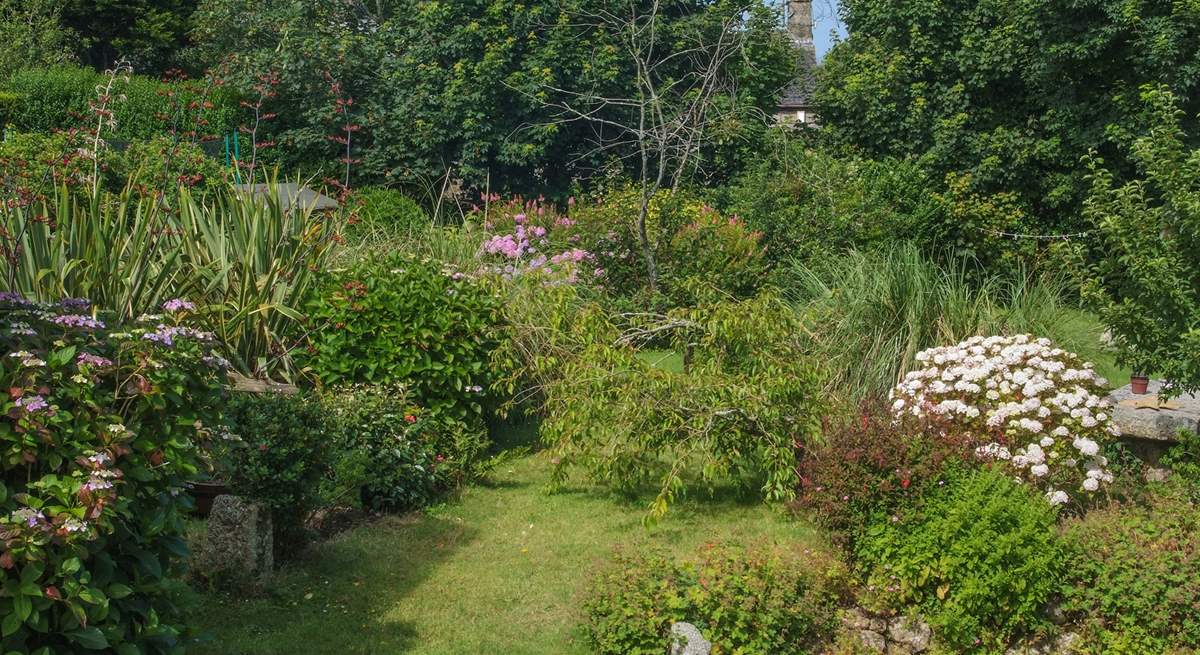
(32, 403)
(166, 334)
(14, 298)
(78, 321)
(178, 305)
(93, 360)
(75, 303)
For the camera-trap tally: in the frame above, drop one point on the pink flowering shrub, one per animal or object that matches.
(1038, 410)
(99, 426)
(533, 238)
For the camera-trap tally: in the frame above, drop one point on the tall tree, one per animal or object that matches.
(32, 35)
(463, 89)
(148, 33)
(1012, 93)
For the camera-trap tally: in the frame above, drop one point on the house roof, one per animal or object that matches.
(799, 94)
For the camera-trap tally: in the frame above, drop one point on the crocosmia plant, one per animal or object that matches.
(99, 426)
(1037, 409)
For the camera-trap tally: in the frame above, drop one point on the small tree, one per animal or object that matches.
(1145, 278)
(673, 112)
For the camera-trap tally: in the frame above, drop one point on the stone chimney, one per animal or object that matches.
(800, 23)
(796, 103)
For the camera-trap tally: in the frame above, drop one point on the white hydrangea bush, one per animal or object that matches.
(1041, 410)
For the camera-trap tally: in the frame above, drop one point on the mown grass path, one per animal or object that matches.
(500, 569)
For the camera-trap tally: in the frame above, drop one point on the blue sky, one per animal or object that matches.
(825, 25)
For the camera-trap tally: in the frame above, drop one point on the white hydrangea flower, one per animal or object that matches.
(1044, 407)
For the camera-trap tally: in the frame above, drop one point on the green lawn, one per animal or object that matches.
(500, 569)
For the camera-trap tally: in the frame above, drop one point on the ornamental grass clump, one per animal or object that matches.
(1037, 410)
(99, 426)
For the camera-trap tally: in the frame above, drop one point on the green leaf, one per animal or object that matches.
(10, 624)
(90, 638)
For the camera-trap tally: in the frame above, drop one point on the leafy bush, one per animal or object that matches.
(871, 466)
(980, 560)
(1043, 409)
(57, 99)
(810, 204)
(1134, 573)
(690, 241)
(1143, 281)
(280, 458)
(396, 455)
(748, 398)
(405, 321)
(388, 210)
(97, 441)
(754, 601)
(1183, 459)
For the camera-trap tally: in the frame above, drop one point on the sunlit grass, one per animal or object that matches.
(500, 569)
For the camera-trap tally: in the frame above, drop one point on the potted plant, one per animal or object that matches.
(1138, 383)
(214, 449)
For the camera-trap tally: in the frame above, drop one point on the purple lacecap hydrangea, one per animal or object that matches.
(78, 321)
(75, 303)
(178, 305)
(32, 403)
(14, 298)
(93, 360)
(166, 334)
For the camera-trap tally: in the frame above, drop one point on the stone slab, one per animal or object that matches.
(1137, 417)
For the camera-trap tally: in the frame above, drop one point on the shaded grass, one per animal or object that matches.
(500, 569)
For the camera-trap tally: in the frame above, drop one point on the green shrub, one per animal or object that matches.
(872, 465)
(1142, 276)
(1134, 574)
(396, 455)
(389, 210)
(810, 204)
(981, 560)
(693, 245)
(57, 98)
(1183, 459)
(405, 321)
(247, 264)
(98, 433)
(752, 601)
(280, 458)
(748, 398)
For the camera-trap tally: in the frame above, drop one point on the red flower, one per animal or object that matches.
(410, 418)
(52, 593)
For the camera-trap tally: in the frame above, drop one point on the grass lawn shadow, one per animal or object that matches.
(336, 598)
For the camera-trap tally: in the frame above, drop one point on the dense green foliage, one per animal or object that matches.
(278, 454)
(32, 35)
(1144, 282)
(97, 440)
(396, 455)
(149, 33)
(980, 559)
(388, 210)
(1011, 94)
(248, 263)
(464, 88)
(1134, 574)
(143, 108)
(406, 321)
(754, 601)
(748, 395)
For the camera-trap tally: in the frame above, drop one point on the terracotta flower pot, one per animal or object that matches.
(205, 493)
(1139, 383)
